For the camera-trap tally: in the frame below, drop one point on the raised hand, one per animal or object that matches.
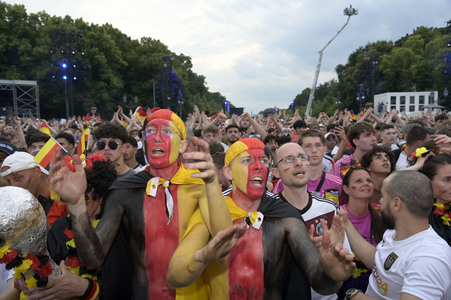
(71, 186)
(65, 286)
(221, 244)
(336, 261)
(201, 159)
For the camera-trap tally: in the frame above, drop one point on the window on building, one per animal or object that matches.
(412, 99)
(412, 108)
(393, 100)
(402, 100)
(422, 100)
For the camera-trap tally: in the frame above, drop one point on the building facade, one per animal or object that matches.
(412, 102)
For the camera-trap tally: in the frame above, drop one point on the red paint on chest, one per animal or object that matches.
(246, 266)
(161, 241)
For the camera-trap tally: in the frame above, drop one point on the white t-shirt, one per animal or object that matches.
(328, 164)
(5, 275)
(421, 266)
(402, 162)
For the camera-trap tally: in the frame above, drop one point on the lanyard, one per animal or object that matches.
(320, 184)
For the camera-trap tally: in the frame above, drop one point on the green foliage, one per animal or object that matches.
(115, 65)
(416, 60)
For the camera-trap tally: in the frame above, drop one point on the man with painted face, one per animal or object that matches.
(258, 262)
(146, 211)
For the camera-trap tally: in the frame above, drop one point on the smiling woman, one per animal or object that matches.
(358, 186)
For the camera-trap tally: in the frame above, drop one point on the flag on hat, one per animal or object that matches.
(140, 113)
(46, 153)
(45, 129)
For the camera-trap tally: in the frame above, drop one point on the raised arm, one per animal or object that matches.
(213, 208)
(260, 130)
(19, 131)
(340, 131)
(92, 245)
(326, 266)
(195, 252)
(362, 249)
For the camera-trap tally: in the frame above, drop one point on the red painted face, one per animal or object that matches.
(163, 141)
(249, 172)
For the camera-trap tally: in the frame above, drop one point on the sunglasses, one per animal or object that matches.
(331, 138)
(111, 144)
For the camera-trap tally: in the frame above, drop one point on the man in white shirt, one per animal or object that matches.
(412, 261)
(417, 136)
(389, 136)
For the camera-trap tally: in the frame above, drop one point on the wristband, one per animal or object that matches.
(92, 291)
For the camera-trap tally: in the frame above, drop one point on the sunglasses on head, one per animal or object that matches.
(111, 144)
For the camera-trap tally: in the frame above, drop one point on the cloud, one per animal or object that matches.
(258, 54)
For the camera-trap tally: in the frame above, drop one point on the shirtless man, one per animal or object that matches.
(146, 209)
(258, 262)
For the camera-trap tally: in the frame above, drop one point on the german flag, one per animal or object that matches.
(140, 113)
(45, 129)
(46, 153)
(83, 143)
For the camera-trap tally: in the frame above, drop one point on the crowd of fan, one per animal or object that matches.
(370, 144)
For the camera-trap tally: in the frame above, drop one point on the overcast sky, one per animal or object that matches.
(261, 53)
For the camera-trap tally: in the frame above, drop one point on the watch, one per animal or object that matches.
(351, 293)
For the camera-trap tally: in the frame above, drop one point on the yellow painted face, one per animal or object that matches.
(249, 172)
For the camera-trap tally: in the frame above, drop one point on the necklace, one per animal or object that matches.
(36, 268)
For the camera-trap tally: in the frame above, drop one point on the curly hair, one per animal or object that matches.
(368, 157)
(110, 130)
(99, 178)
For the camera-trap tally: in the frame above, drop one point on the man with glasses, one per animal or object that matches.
(110, 143)
(258, 262)
(331, 143)
(146, 215)
(293, 167)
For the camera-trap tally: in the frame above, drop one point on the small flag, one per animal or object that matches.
(83, 143)
(45, 129)
(140, 113)
(46, 153)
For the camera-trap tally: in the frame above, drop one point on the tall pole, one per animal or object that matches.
(347, 12)
(154, 104)
(66, 100)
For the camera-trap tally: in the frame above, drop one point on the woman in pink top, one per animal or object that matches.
(359, 188)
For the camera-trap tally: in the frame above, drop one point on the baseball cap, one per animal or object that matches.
(19, 161)
(7, 147)
(329, 133)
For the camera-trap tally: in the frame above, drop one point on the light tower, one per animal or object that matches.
(347, 12)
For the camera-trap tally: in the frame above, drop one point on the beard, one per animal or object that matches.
(387, 219)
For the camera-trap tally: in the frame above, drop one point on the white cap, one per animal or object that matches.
(19, 161)
(329, 133)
